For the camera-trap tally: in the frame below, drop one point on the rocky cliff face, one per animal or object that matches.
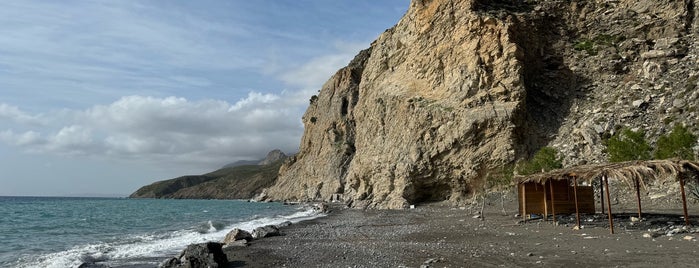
(459, 88)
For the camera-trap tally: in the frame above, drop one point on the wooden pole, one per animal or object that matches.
(609, 205)
(684, 200)
(575, 194)
(601, 194)
(546, 204)
(524, 201)
(638, 198)
(553, 202)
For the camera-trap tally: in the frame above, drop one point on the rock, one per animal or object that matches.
(635, 219)
(237, 243)
(679, 103)
(265, 231)
(655, 54)
(93, 265)
(237, 234)
(204, 255)
(321, 207)
(284, 224)
(273, 157)
(688, 237)
(637, 103)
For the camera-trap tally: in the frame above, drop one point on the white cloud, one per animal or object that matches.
(28, 138)
(315, 72)
(168, 130)
(13, 113)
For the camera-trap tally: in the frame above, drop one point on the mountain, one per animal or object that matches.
(237, 182)
(459, 88)
(273, 156)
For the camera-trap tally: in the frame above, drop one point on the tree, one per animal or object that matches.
(628, 145)
(676, 144)
(544, 160)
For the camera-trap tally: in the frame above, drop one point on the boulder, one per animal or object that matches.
(93, 265)
(204, 255)
(238, 243)
(237, 234)
(322, 207)
(265, 231)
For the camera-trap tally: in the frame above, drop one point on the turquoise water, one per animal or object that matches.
(65, 232)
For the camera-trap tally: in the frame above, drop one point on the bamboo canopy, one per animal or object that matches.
(626, 172)
(632, 173)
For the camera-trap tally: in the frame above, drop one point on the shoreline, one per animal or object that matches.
(442, 236)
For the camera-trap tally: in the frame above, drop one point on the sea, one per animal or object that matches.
(122, 232)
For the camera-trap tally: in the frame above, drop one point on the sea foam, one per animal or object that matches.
(151, 248)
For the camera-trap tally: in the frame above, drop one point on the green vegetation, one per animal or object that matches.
(586, 45)
(240, 182)
(591, 45)
(544, 160)
(676, 144)
(501, 177)
(627, 145)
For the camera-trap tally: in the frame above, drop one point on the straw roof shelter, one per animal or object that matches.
(633, 173)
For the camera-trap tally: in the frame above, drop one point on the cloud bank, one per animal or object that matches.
(164, 130)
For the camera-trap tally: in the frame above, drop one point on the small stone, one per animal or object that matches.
(647, 235)
(679, 103)
(688, 238)
(530, 254)
(635, 219)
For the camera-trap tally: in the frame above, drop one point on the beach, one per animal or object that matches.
(439, 235)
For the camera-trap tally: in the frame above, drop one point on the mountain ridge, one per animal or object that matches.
(232, 182)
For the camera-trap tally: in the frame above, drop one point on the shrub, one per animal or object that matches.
(544, 160)
(627, 145)
(586, 45)
(676, 144)
(501, 177)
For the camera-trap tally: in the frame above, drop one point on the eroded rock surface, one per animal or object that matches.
(457, 89)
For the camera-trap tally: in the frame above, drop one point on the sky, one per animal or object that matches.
(102, 97)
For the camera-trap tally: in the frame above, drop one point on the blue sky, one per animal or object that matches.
(102, 97)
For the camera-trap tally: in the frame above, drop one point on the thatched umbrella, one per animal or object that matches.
(633, 173)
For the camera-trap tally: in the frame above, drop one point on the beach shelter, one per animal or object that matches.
(550, 192)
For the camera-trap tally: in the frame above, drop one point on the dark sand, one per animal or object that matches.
(441, 236)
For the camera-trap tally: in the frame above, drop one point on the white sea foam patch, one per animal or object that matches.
(154, 245)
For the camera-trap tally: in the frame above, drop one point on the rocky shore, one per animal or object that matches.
(441, 236)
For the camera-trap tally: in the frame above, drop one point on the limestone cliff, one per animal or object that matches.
(459, 88)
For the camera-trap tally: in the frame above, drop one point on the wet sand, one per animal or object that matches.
(442, 236)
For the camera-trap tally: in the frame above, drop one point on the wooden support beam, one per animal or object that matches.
(638, 199)
(609, 205)
(546, 204)
(601, 194)
(684, 200)
(524, 201)
(575, 194)
(553, 202)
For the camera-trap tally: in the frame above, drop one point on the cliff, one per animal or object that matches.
(458, 89)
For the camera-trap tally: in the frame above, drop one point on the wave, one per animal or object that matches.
(152, 248)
